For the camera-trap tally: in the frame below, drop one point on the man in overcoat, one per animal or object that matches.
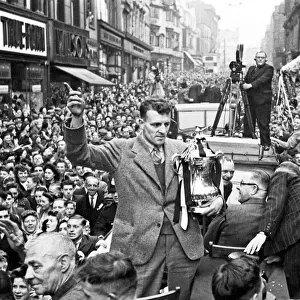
(258, 85)
(144, 227)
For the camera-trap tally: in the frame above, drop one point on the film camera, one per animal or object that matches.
(237, 66)
(156, 73)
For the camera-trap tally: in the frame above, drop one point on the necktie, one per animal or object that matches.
(157, 156)
(92, 201)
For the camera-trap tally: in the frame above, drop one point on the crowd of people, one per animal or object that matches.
(63, 170)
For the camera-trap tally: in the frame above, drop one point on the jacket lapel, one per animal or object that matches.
(259, 72)
(143, 159)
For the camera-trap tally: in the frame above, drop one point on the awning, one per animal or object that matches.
(189, 56)
(199, 62)
(86, 75)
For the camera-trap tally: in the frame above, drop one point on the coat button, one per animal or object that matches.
(158, 225)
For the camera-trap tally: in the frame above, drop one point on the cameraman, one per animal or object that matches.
(258, 85)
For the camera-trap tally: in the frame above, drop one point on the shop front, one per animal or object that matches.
(110, 51)
(72, 57)
(137, 59)
(23, 60)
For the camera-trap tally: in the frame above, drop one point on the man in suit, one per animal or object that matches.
(227, 174)
(258, 85)
(147, 186)
(84, 243)
(279, 229)
(239, 224)
(95, 209)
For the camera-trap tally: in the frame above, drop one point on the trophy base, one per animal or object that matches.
(197, 210)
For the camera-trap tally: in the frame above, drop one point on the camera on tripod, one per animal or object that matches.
(156, 72)
(237, 66)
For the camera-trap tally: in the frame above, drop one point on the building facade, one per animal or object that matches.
(165, 35)
(23, 54)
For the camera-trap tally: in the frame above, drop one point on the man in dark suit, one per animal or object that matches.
(84, 243)
(239, 224)
(94, 208)
(279, 229)
(258, 85)
(145, 228)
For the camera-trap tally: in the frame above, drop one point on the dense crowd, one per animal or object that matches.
(41, 191)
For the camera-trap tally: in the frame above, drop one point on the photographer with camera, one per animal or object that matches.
(258, 85)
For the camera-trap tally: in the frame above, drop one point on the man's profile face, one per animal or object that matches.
(156, 127)
(227, 171)
(43, 271)
(246, 188)
(297, 159)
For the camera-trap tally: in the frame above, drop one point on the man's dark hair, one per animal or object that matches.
(3, 207)
(18, 273)
(239, 279)
(159, 105)
(70, 202)
(112, 273)
(67, 182)
(79, 217)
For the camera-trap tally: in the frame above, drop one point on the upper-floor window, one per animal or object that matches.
(75, 13)
(126, 21)
(169, 15)
(21, 3)
(113, 13)
(39, 6)
(103, 10)
(154, 12)
(90, 13)
(169, 39)
(61, 10)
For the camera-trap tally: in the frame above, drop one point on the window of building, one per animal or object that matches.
(154, 12)
(103, 8)
(169, 15)
(20, 3)
(126, 21)
(169, 38)
(75, 13)
(39, 6)
(61, 10)
(90, 13)
(113, 13)
(161, 40)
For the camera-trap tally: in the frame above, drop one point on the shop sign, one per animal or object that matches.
(22, 35)
(110, 38)
(136, 50)
(36, 88)
(3, 89)
(70, 44)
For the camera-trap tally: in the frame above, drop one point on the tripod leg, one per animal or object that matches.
(221, 106)
(247, 112)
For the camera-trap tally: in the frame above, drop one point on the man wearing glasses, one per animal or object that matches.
(258, 85)
(240, 223)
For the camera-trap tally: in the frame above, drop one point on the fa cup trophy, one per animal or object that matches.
(199, 174)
